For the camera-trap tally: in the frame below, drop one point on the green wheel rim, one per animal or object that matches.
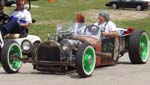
(144, 47)
(14, 50)
(88, 62)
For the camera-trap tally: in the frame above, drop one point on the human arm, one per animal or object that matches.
(27, 20)
(112, 30)
(110, 34)
(25, 25)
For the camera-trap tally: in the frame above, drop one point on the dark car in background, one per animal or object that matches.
(137, 4)
(9, 2)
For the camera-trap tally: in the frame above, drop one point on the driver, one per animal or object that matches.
(20, 20)
(108, 28)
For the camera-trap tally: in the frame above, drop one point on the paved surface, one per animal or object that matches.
(123, 73)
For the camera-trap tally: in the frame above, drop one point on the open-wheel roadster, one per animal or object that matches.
(85, 52)
(79, 52)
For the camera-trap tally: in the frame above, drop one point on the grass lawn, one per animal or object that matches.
(63, 11)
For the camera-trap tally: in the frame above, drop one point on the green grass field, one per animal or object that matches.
(48, 15)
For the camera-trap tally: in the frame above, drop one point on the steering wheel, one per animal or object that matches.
(92, 29)
(4, 18)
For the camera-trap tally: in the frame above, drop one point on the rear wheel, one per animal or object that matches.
(139, 8)
(85, 60)
(11, 50)
(139, 47)
(114, 6)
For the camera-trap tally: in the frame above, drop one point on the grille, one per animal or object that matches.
(48, 52)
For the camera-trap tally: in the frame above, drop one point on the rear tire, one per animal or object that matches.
(138, 47)
(85, 60)
(115, 6)
(10, 50)
(139, 8)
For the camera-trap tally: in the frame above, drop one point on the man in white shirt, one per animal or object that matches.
(108, 30)
(20, 20)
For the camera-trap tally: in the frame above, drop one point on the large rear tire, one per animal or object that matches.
(10, 50)
(138, 47)
(85, 60)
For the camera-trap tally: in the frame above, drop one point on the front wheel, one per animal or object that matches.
(11, 50)
(33, 53)
(85, 60)
(138, 47)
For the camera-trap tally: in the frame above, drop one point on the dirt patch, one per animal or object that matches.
(91, 15)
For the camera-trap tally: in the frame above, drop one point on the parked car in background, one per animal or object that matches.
(137, 4)
(9, 2)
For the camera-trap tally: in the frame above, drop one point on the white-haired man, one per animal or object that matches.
(108, 30)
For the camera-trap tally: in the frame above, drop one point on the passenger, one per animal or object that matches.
(79, 26)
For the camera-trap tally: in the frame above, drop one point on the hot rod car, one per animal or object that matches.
(81, 52)
(67, 51)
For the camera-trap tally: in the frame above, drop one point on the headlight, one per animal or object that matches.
(26, 46)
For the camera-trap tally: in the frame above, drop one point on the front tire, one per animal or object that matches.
(138, 47)
(33, 53)
(10, 50)
(85, 60)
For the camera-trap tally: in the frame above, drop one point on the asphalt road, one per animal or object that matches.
(123, 73)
